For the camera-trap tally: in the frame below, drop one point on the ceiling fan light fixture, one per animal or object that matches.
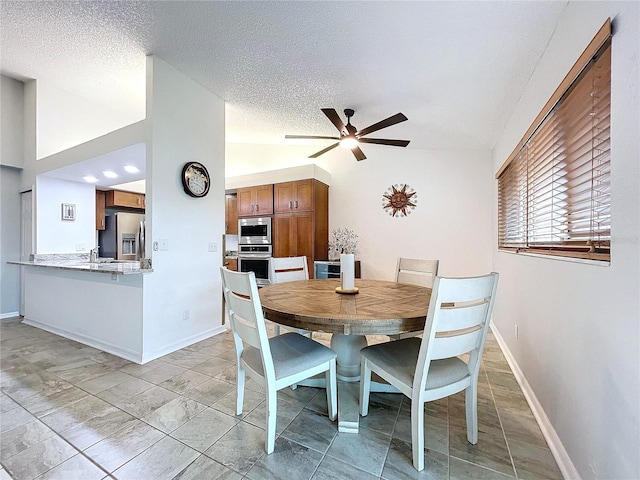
(349, 141)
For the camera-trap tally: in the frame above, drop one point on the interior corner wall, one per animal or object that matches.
(183, 295)
(578, 342)
(12, 112)
(11, 161)
(9, 241)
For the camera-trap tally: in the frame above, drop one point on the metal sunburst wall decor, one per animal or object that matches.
(399, 200)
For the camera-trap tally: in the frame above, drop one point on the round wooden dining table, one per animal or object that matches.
(379, 308)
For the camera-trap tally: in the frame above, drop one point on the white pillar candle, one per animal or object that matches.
(347, 271)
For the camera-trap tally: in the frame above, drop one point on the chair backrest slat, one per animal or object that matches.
(460, 326)
(416, 271)
(288, 269)
(461, 316)
(452, 346)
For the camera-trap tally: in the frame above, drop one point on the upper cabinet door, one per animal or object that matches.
(231, 214)
(293, 196)
(118, 198)
(254, 201)
(264, 200)
(100, 209)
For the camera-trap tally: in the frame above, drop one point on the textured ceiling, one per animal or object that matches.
(455, 69)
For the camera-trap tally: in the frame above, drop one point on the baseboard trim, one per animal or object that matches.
(9, 315)
(563, 460)
(125, 353)
(185, 342)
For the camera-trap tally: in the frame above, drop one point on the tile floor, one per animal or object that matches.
(69, 411)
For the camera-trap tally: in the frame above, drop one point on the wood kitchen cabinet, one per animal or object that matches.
(295, 196)
(302, 232)
(253, 201)
(100, 209)
(122, 199)
(231, 214)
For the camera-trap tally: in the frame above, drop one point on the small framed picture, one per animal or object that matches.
(69, 211)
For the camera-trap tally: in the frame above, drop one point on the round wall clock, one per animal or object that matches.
(195, 179)
(399, 200)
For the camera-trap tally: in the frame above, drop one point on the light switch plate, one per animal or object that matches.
(164, 244)
(213, 246)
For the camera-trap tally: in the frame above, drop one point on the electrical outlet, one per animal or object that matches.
(185, 314)
(156, 246)
(164, 244)
(213, 247)
(516, 331)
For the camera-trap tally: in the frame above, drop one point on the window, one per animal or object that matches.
(554, 189)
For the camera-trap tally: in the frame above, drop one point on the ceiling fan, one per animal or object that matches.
(350, 137)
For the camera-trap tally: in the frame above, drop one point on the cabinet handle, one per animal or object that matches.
(257, 207)
(296, 204)
(289, 203)
(252, 207)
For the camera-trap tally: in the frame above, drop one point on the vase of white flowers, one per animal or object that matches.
(342, 240)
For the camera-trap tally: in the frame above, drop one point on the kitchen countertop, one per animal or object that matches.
(81, 263)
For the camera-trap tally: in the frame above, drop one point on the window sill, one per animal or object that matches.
(599, 263)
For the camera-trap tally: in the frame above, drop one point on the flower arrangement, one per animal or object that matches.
(342, 240)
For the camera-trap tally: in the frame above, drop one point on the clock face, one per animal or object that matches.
(195, 179)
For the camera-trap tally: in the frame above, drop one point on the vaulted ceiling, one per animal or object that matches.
(455, 69)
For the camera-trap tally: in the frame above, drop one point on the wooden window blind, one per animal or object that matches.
(554, 190)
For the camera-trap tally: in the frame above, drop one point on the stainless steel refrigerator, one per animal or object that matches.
(123, 236)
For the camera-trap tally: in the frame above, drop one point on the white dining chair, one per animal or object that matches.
(274, 363)
(288, 269)
(416, 272)
(429, 368)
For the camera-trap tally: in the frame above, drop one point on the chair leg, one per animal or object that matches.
(240, 389)
(471, 407)
(272, 413)
(417, 433)
(276, 329)
(332, 394)
(365, 387)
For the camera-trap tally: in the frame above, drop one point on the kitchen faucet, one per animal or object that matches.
(93, 254)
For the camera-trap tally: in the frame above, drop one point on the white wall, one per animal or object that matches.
(186, 124)
(579, 341)
(452, 221)
(12, 113)
(9, 241)
(66, 119)
(97, 309)
(11, 155)
(60, 236)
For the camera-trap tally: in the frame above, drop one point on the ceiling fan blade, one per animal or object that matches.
(359, 154)
(333, 116)
(387, 122)
(384, 141)
(317, 154)
(311, 137)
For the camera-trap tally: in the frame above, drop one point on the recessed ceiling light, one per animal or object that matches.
(110, 174)
(131, 169)
(90, 179)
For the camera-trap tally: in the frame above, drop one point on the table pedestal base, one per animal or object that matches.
(348, 348)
